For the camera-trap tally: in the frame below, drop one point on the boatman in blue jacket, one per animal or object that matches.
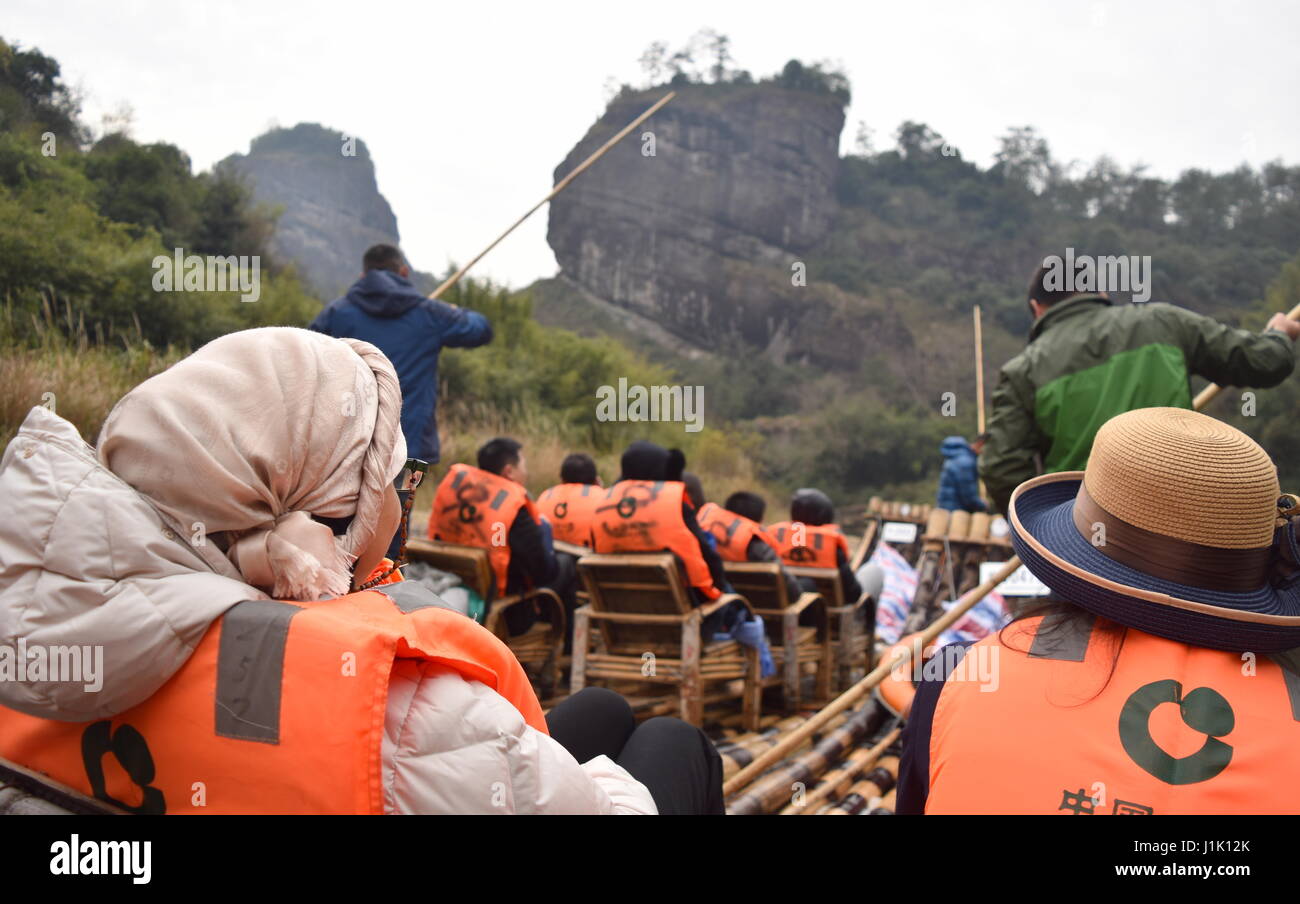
(384, 309)
(959, 483)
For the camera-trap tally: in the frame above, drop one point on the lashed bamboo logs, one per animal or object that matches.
(862, 688)
(740, 752)
(775, 790)
(872, 787)
(836, 782)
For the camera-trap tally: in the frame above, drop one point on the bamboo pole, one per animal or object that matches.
(559, 187)
(859, 690)
(962, 606)
(979, 373)
(979, 388)
(868, 535)
(1208, 394)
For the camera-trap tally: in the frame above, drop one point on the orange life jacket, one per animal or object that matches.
(473, 507)
(569, 508)
(1173, 729)
(731, 531)
(808, 545)
(646, 516)
(279, 710)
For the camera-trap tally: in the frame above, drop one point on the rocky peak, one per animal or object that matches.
(332, 208)
(673, 222)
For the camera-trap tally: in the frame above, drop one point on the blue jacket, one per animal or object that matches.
(959, 486)
(385, 310)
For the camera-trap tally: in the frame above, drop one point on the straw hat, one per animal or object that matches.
(1173, 529)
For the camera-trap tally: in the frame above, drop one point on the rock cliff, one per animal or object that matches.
(697, 221)
(332, 208)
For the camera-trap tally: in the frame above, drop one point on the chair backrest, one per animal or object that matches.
(469, 563)
(637, 584)
(761, 583)
(573, 549)
(827, 581)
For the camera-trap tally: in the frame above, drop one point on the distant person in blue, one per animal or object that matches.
(959, 485)
(384, 309)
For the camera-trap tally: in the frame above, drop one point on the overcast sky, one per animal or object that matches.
(468, 107)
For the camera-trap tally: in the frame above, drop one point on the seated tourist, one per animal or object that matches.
(812, 539)
(737, 531)
(1160, 677)
(489, 507)
(647, 510)
(223, 561)
(569, 505)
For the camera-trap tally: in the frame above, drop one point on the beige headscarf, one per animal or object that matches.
(247, 438)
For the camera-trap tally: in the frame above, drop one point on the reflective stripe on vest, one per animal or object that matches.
(808, 545)
(570, 508)
(473, 507)
(1114, 721)
(280, 709)
(646, 516)
(731, 531)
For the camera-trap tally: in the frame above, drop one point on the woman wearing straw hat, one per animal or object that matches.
(1158, 679)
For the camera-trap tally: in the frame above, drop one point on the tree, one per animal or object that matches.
(718, 47)
(1025, 159)
(917, 140)
(654, 61)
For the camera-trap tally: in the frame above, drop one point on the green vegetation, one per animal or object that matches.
(706, 59)
(81, 222)
(80, 322)
(921, 236)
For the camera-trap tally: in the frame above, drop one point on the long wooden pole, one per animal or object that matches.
(559, 187)
(979, 373)
(979, 386)
(941, 624)
(1207, 395)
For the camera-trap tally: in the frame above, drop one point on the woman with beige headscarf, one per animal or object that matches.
(260, 467)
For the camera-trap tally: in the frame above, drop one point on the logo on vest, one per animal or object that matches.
(562, 510)
(632, 499)
(132, 753)
(1202, 709)
(801, 554)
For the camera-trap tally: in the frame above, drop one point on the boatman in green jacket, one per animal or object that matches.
(1089, 360)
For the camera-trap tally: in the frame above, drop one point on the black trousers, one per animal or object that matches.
(674, 760)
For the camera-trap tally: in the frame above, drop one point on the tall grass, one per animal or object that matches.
(58, 365)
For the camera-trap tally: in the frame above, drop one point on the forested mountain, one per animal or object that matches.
(822, 301)
(825, 302)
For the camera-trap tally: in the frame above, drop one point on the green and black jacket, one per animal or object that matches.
(1089, 360)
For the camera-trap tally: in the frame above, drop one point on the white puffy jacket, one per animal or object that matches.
(84, 558)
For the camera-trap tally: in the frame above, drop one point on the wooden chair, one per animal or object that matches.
(793, 645)
(852, 625)
(649, 631)
(541, 645)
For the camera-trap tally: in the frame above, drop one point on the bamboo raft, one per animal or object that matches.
(849, 765)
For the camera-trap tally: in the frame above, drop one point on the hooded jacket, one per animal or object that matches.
(959, 488)
(84, 558)
(1089, 360)
(385, 310)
